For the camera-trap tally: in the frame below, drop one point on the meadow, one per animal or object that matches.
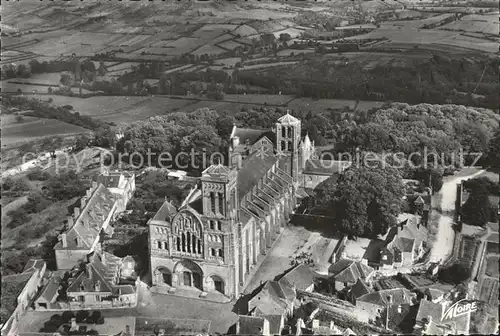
(30, 128)
(487, 24)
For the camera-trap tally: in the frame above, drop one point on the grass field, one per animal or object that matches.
(209, 49)
(128, 109)
(31, 128)
(487, 24)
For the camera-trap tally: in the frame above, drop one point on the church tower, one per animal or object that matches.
(287, 143)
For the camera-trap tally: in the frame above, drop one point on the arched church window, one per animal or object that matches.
(178, 244)
(212, 252)
(283, 145)
(193, 243)
(188, 242)
(212, 201)
(159, 244)
(212, 225)
(219, 226)
(165, 245)
(183, 242)
(290, 146)
(283, 131)
(221, 253)
(289, 131)
(199, 246)
(221, 203)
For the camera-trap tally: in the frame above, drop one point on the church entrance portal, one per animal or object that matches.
(190, 273)
(218, 284)
(164, 276)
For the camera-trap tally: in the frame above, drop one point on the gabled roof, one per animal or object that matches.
(349, 271)
(437, 327)
(288, 119)
(253, 169)
(301, 277)
(166, 212)
(273, 299)
(217, 169)
(434, 293)
(360, 288)
(251, 325)
(274, 323)
(88, 225)
(419, 200)
(399, 296)
(50, 290)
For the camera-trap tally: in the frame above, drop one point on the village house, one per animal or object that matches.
(18, 292)
(120, 184)
(98, 283)
(404, 244)
(273, 299)
(345, 273)
(96, 211)
(300, 277)
(253, 325)
(372, 307)
(428, 320)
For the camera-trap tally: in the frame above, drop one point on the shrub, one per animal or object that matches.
(38, 175)
(81, 316)
(67, 316)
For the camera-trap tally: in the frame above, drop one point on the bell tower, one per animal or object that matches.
(287, 144)
(218, 187)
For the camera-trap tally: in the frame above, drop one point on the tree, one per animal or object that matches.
(66, 79)
(454, 274)
(285, 37)
(81, 142)
(478, 209)
(366, 200)
(65, 186)
(493, 153)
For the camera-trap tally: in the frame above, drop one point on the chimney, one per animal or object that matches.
(76, 212)
(315, 324)
(88, 271)
(387, 312)
(239, 161)
(235, 141)
(64, 240)
(238, 329)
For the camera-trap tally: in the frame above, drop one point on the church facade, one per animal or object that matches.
(213, 240)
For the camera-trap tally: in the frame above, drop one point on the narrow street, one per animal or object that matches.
(443, 245)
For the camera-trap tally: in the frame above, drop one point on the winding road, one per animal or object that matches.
(443, 245)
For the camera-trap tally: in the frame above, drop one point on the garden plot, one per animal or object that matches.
(244, 30)
(230, 45)
(208, 49)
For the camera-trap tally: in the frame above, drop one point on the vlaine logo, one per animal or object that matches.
(459, 308)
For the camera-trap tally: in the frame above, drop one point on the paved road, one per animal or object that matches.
(443, 245)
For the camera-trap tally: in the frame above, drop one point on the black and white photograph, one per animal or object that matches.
(259, 167)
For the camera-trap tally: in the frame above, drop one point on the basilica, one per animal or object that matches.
(213, 240)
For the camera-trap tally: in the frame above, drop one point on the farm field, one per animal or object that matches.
(31, 128)
(409, 36)
(267, 65)
(10, 86)
(119, 109)
(487, 24)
